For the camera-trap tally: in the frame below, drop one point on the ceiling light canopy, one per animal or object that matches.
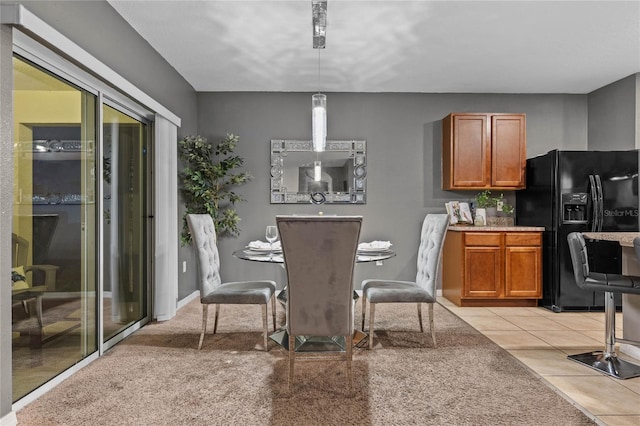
(319, 19)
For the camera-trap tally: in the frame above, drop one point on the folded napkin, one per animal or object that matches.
(375, 245)
(263, 245)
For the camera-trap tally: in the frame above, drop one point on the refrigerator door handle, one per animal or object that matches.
(594, 203)
(600, 203)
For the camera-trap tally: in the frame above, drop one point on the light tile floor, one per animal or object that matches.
(542, 339)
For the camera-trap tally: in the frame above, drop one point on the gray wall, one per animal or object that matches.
(100, 30)
(613, 115)
(95, 26)
(403, 134)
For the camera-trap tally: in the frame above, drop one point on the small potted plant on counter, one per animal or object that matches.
(486, 205)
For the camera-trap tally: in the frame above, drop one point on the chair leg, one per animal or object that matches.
(606, 361)
(205, 310)
(349, 340)
(420, 317)
(273, 311)
(39, 313)
(215, 321)
(432, 329)
(372, 312)
(364, 308)
(292, 356)
(265, 326)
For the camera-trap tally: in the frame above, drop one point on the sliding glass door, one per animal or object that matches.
(124, 219)
(80, 280)
(54, 226)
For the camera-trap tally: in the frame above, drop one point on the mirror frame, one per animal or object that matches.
(353, 149)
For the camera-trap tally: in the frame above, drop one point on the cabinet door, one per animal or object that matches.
(483, 272)
(508, 150)
(466, 151)
(523, 272)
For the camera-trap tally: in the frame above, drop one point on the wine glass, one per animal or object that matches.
(271, 234)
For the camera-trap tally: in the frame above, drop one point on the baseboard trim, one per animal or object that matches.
(188, 299)
(632, 351)
(9, 419)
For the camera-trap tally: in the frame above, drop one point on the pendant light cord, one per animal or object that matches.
(319, 70)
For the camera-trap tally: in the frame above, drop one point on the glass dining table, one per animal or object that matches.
(313, 343)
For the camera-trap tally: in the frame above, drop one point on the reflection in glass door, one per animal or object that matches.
(59, 237)
(54, 226)
(124, 221)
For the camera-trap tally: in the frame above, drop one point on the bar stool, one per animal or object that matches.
(605, 361)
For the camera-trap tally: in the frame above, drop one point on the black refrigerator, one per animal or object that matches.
(581, 191)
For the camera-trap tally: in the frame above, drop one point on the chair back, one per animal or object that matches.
(203, 234)
(579, 257)
(636, 246)
(319, 255)
(434, 230)
(19, 251)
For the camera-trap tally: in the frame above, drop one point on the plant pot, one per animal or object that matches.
(481, 217)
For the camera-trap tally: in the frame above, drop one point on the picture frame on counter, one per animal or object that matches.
(459, 213)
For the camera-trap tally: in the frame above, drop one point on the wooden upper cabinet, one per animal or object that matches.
(484, 151)
(508, 151)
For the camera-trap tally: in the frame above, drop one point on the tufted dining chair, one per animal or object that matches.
(319, 255)
(423, 289)
(213, 290)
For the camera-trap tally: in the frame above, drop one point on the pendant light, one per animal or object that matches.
(319, 121)
(319, 101)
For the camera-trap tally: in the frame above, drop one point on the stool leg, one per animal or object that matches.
(609, 325)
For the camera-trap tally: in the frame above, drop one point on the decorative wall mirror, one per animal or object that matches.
(339, 178)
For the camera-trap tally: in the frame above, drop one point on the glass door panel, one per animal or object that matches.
(124, 221)
(54, 226)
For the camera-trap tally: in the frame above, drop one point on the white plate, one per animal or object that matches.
(262, 250)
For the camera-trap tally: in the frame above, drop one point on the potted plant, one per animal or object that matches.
(207, 182)
(484, 200)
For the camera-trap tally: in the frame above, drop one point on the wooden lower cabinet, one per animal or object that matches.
(492, 268)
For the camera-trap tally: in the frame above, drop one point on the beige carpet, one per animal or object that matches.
(158, 377)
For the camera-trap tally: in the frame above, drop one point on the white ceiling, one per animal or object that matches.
(394, 46)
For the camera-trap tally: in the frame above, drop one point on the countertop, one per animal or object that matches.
(463, 228)
(624, 238)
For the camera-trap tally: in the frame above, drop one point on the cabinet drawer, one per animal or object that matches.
(523, 239)
(482, 239)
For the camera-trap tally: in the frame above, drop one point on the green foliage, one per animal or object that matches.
(507, 208)
(207, 182)
(486, 200)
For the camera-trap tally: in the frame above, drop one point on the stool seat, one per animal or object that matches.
(615, 283)
(605, 361)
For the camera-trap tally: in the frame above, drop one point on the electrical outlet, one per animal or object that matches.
(184, 266)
